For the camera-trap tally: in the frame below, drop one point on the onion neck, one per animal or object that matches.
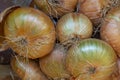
(92, 70)
(22, 41)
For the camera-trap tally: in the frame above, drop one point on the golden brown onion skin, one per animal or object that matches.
(72, 26)
(26, 69)
(95, 9)
(91, 59)
(30, 32)
(3, 15)
(110, 29)
(53, 65)
(56, 8)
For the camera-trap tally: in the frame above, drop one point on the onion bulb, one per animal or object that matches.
(96, 9)
(56, 8)
(73, 26)
(26, 69)
(110, 29)
(53, 65)
(29, 32)
(91, 59)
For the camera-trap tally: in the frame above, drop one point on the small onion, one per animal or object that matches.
(96, 9)
(91, 59)
(29, 32)
(26, 69)
(73, 26)
(56, 8)
(110, 29)
(53, 65)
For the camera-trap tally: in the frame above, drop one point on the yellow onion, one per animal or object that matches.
(29, 32)
(91, 59)
(56, 8)
(110, 29)
(53, 65)
(96, 9)
(73, 26)
(26, 69)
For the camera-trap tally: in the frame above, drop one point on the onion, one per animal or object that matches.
(53, 65)
(110, 29)
(29, 32)
(56, 8)
(73, 26)
(96, 9)
(91, 59)
(26, 69)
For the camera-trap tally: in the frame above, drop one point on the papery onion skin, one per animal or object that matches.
(27, 69)
(53, 65)
(96, 9)
(110, 29)
(72, 26)
(56, 8)
(91, 59)
(31, 33)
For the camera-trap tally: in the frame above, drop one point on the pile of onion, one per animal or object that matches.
(73, 26)
(96, 9)
(27, 69)
(56, 8)
(110, 29)
(53, 65)
(29, 32)
(91, 59)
